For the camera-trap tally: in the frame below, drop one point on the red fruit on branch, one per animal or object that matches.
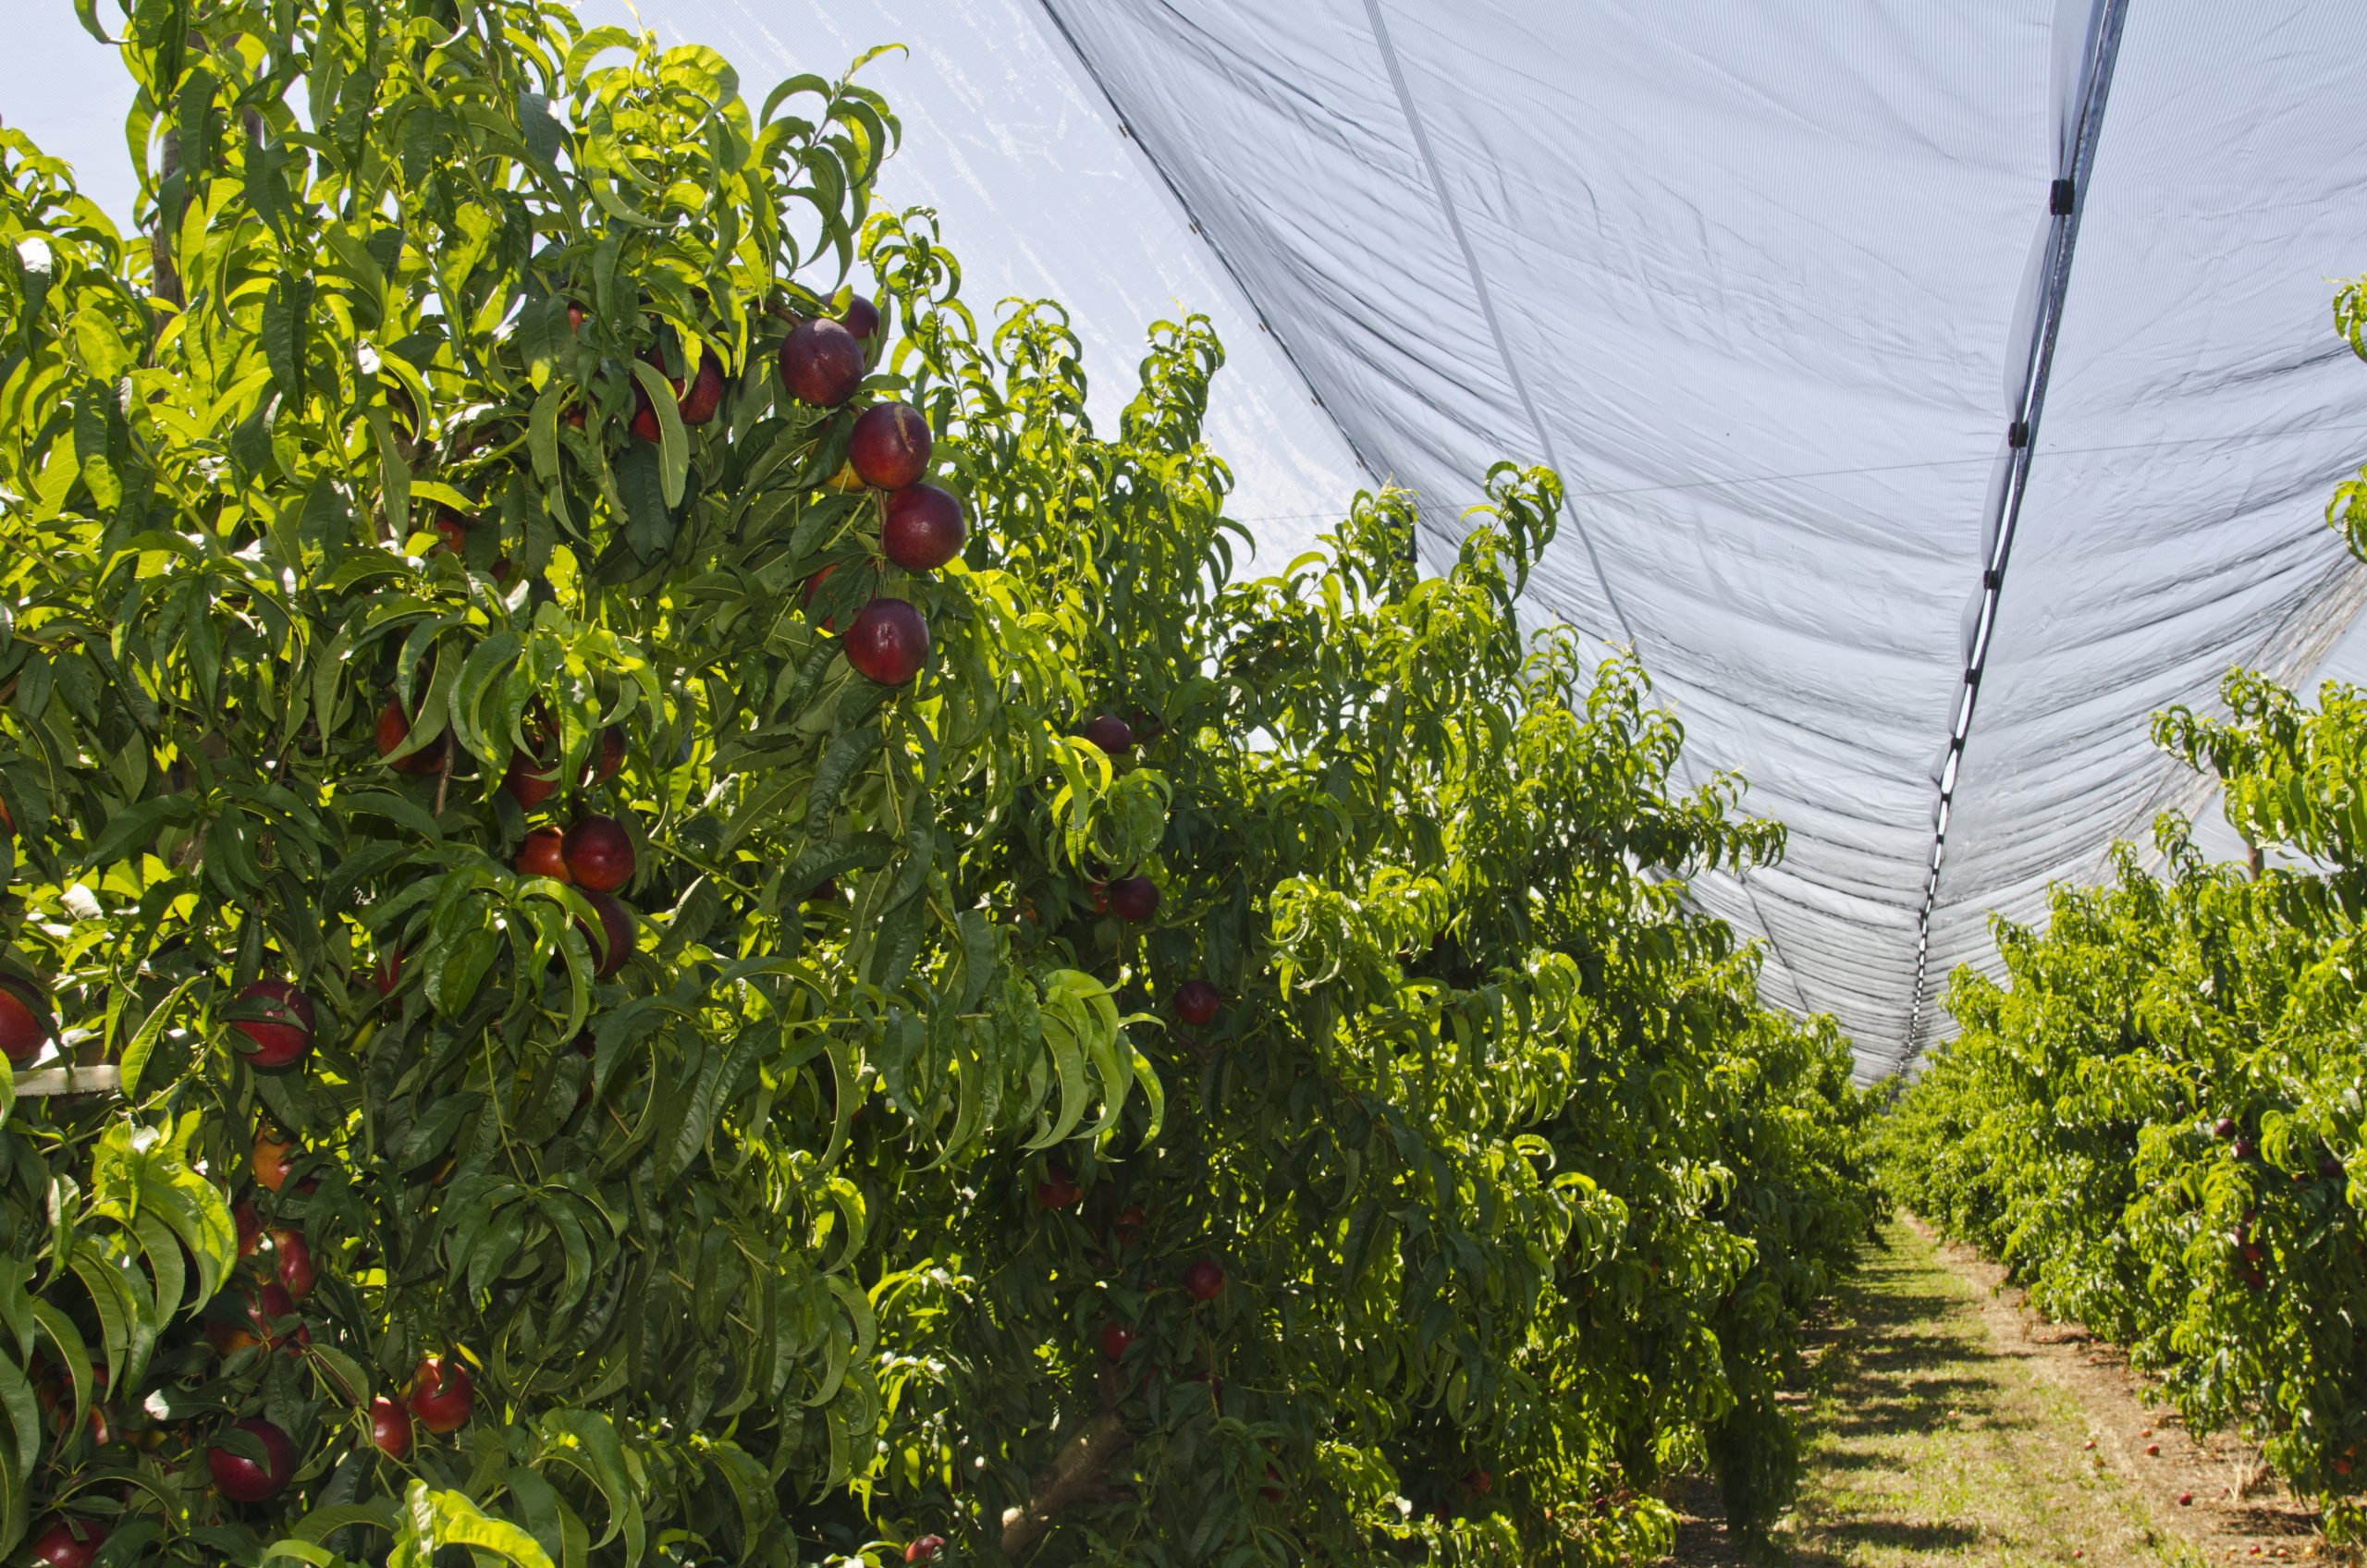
(1196, 1002)
(1273, 1490)
(1115, 1337)
(388, 973)
(282, 1031)
(453, 530)
(1060, 1192)
(235, 1321)
(599, 853)
(295, 1270)
(821, 363)
(1478, 1482)
(1128, 1226)
(922, 529)
(394, 728)
(890, 446)
(2224, 1128)
(1203, 1280)
(242, 1479)
(694, 407)
(704, 399)
(614, 942)
(2331, 1168)
(69, 1543)
(248, 1223)
(442, 1394)
(389, 1427)
(274, 1155)
(528, 780)
(25, 1023)
(1133, 899)
(2245, 1148)
(543, 854)
(861, 317)
(888, 642)
(1111, 734)
(608, 756)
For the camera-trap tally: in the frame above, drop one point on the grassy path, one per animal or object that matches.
(1930, 1443)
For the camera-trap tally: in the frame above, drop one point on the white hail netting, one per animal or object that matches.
(1764, 281)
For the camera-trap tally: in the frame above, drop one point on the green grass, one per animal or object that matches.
(1926, 1446)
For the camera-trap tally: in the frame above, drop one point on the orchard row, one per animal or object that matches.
(728, 935)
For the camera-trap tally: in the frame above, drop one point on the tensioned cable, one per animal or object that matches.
(1126, 128)
(2065, 200)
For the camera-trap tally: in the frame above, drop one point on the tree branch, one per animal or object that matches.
(1077, 1472)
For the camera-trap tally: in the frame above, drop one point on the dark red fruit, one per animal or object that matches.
(242, 1479)
(389, 1427)
(1134, 897)
(2331, 1167)
(394, 728)
(826, 891)
(616, 931)
(296, 1275)
(695, 406)
(1273, 1490)
(282, 1031)
(704, 399)
(821, 363)
(1128, 1225)
(1115, 1337)
(923, 528)
(389, 972)
(528, 780)
(1477, 1480)
(2245, 1148)
(861, 318)
(454, 530)
(442, 1395)
(235, 1321)
(1058, 1192)
(248, 1223)
(69, 1543)
(1111, 734)
(275, 1156)
(1203, 1280)
(890, 446)
(2224, 1128)
(24, 1023)
(608, 756)
(599, 853)
(543, 854)
(1196, 1002)
(888, 642)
